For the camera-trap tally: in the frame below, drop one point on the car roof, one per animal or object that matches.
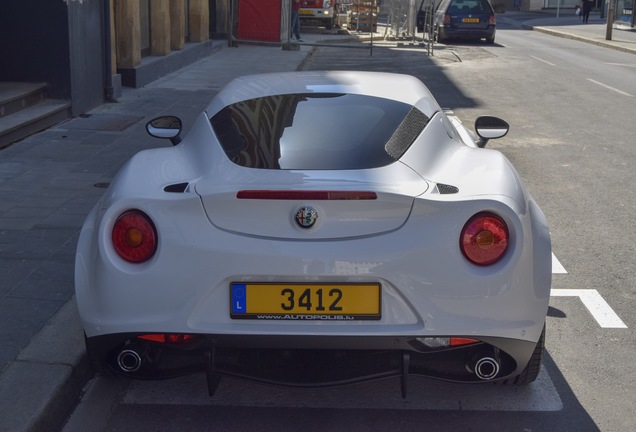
(399, 87)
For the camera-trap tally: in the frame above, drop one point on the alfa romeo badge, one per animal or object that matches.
(306, 217)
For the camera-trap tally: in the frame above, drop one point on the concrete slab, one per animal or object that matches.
(38, 389)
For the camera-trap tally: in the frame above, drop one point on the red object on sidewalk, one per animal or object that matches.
(259, 20)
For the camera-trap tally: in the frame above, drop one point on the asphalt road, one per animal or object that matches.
(571, 110)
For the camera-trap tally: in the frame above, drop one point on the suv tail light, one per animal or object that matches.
(134, 236)
(484, 239)
(492, 20)
(446, 20)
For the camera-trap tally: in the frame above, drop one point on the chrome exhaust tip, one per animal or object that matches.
(129, 360)
(486, 368)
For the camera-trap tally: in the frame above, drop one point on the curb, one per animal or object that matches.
(566, 35)
(40, 388)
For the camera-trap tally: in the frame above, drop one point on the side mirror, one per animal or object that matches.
(489, 127)
(167, 127)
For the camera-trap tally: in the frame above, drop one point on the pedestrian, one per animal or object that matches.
(587, 8)
(295, 21)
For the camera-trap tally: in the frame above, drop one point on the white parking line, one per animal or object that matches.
(557, 268)
(610, 88)
(622, 64)
(598, 307)
(544, 61)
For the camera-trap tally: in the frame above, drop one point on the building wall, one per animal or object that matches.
(58, 42)
(169, 24)
(86, 47)
(63, 42)
(34, 44)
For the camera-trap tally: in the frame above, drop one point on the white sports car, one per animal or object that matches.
(313, 229)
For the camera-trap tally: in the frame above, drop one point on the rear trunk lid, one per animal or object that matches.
(470, 21)
(318, 205)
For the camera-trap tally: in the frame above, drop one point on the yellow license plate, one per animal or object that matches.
(470, 20)
(305, 12)
(329, 302)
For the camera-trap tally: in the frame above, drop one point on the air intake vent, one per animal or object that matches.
(406, 133)
(177, 188)
(445, 189)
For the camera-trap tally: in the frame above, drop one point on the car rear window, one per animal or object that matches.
(469, 7)
(317, 131)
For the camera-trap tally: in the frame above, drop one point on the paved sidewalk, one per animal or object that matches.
(569, 25)
(49, 182)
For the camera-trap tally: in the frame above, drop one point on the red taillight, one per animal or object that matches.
(484, 239)
(134, 237)
(492, 20)
(168, 338)
(456, 341)
(446, 20)
(305, 195)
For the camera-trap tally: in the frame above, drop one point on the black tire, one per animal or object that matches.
(439, 37)
(531, 371)
(490, 41)
(329, 24)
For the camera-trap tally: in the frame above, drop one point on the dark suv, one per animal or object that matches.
(464, 19)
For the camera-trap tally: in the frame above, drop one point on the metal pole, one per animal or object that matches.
(610, 20)
(108, 63)
(412, 20)
(232, 34)
(286, 21)
(373, 9)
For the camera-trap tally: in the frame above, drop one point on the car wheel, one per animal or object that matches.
(490, 40)
(329, 24)
(531, 371)
(439, 36)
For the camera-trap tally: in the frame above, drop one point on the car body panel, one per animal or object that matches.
(395, 187)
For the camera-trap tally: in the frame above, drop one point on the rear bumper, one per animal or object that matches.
(306, 361)
(454, 33)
